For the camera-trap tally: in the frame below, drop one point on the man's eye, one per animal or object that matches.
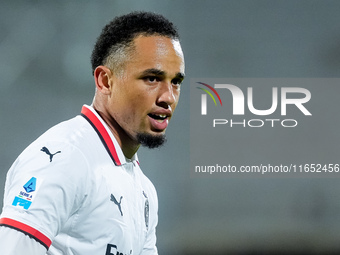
(151, 79)
(177, 82)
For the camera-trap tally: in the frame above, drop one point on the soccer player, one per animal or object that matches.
(78, 188)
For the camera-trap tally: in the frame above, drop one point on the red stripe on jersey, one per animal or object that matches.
(37, 235)
(102, 132)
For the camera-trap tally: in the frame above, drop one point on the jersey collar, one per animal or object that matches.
(109, 141)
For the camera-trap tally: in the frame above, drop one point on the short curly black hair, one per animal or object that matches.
(120, 32)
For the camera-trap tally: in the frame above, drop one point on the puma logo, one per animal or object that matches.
(44, 149)
(114, 200)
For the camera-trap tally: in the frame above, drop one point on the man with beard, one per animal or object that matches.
(78, 189)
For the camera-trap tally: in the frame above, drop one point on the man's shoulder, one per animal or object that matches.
(76, 133)
(64, 143)
(71, 130)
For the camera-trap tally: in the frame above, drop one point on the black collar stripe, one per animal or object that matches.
(102, 133)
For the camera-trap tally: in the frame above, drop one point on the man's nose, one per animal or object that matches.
(168, 94)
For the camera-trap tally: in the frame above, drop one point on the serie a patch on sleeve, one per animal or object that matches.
(27, 193)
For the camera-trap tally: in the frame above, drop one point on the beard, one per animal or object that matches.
(151, 141)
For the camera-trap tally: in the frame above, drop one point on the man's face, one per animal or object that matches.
(145, 94)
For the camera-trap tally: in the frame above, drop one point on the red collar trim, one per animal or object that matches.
(102, 133)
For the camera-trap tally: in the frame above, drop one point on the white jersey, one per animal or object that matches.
(73, 191)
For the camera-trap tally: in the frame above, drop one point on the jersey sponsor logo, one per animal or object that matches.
(25, 196)
(44, 149)
(111, 249)
(114, 200)
(146, 211)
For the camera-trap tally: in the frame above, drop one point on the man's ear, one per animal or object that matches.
(102, 76)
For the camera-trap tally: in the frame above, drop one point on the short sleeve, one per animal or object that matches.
(44, 187)
(15, 242)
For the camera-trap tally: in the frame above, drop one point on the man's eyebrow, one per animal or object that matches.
(158, 72)
(180, 75)
(153, 71)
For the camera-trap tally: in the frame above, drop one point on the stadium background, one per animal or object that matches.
(45, 77)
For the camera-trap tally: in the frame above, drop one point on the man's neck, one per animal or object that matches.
(128, 145)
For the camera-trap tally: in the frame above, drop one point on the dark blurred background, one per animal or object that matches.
(45, 77)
